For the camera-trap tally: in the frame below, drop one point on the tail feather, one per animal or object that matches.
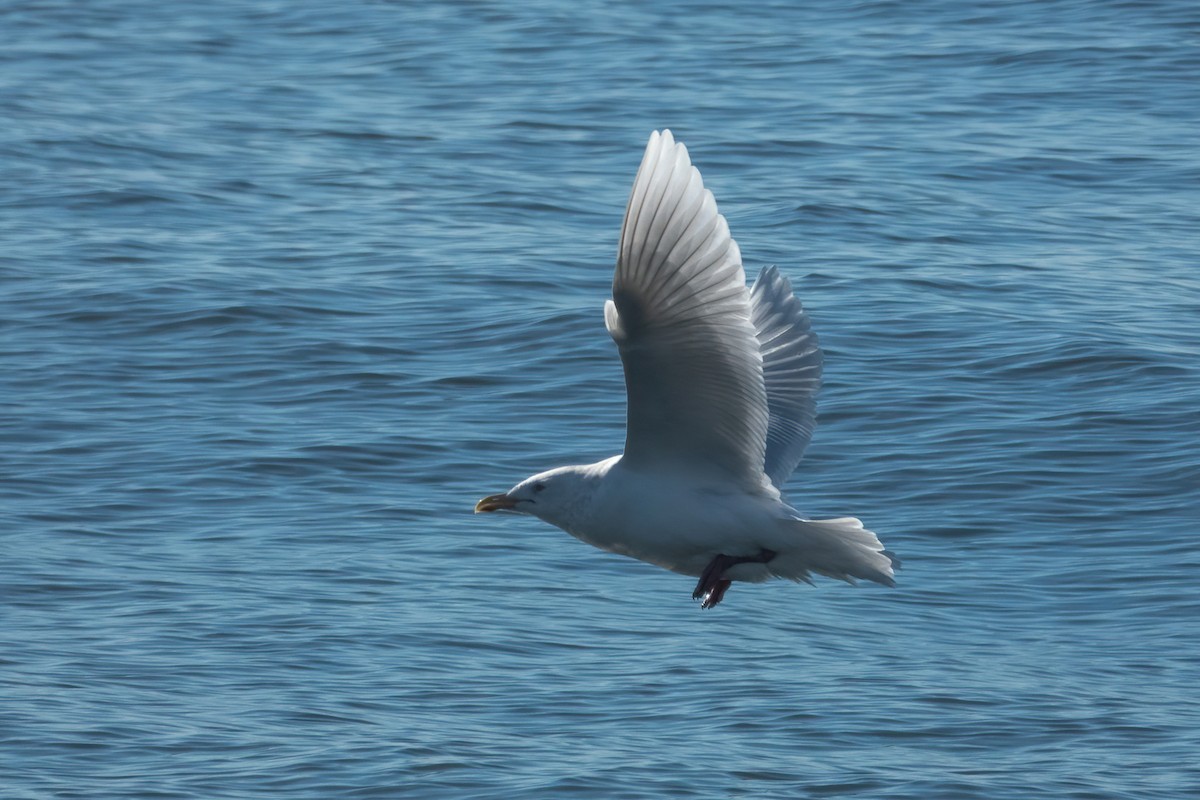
(837, 548)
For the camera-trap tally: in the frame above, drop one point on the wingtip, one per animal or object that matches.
(770, 278)
(666, 140)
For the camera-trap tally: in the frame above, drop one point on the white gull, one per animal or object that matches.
(721, 384)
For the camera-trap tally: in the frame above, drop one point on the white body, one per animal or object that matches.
(679, 523)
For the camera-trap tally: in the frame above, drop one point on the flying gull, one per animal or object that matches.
(721, 385)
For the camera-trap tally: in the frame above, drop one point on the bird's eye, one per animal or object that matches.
(537, 487)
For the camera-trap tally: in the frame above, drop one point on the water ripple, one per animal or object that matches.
(286, 291)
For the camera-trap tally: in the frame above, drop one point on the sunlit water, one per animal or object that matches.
(286, 288)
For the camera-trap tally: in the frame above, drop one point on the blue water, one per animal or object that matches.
(286, 287)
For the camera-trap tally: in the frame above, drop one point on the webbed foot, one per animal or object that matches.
(712, 586)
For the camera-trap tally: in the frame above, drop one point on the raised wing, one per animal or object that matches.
(791, 369)
(680, 315)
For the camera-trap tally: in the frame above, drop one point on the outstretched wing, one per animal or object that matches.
(680, 316)
(791, 369)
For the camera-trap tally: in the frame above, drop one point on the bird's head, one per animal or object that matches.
(556, 496)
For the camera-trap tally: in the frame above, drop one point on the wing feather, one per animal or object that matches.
(681, 318)
(791, 370)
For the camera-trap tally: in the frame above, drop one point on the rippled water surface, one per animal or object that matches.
(286, 287)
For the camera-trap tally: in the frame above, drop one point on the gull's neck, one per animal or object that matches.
(573, 516)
